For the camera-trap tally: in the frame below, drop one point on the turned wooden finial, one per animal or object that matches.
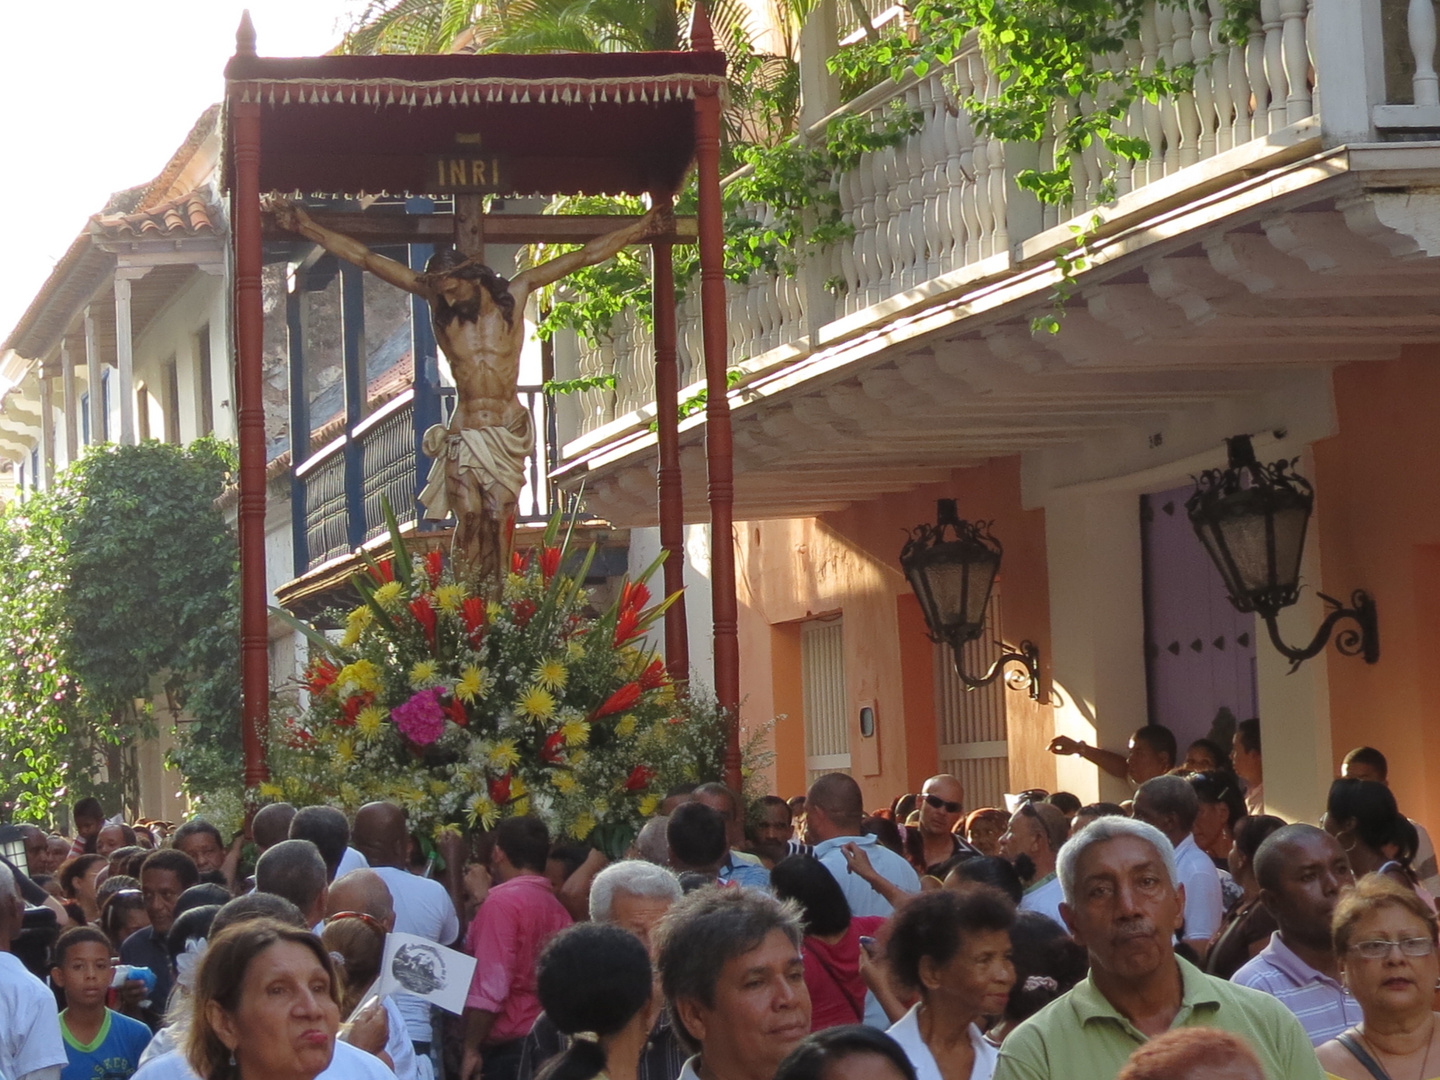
(245, 35)
(702, 35)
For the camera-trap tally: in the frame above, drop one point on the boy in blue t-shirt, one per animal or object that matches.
(101, 1044)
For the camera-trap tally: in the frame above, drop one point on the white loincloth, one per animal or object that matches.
(496, 455)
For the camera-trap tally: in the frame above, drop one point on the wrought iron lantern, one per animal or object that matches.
(951, 565)
(1252, 520)
(12, 845)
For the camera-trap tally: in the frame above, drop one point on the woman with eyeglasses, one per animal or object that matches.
(1385, 938)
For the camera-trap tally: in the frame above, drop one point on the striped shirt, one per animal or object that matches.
(1320, 1003)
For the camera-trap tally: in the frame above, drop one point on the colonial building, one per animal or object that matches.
(1269, 271)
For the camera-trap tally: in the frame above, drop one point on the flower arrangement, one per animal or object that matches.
(465, 710)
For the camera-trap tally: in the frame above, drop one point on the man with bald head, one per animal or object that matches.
(1301, 871)
(941, 808)
(272, 825)
(422, 906)
(834, 809)
(363, 895)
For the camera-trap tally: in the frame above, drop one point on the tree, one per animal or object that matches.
(118, 586)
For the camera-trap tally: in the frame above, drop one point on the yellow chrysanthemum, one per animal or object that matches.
(649, 805)
(626, 727)
(574, 650)
(522, 807)
(388, 595)
(358, 678)
(449, 597)
(368, 721)
(422, 673)
(582, 826)
(470, 685)
(271, 791)
(350, 637)
(577, 756)
(504, 756)
(562, 781)
(482, 811)
(344, 751)
(601, 807)
(438, 787)
(492, 611)
(537, 704)
(551, 674)
(576, 732)
(518, 790)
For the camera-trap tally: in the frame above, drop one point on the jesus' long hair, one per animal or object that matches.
(447, 262)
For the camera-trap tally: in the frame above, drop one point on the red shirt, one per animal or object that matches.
(832, 975)
(518, 917)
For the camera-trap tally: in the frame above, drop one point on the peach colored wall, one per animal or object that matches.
(848, 562)
(1379, 528)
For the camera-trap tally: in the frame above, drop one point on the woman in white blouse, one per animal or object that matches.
(953, 950)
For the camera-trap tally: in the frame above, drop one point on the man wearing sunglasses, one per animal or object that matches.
(1301, 870)
(1032, 843)
(934, 842)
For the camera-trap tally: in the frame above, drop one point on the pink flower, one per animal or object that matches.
(421, 719)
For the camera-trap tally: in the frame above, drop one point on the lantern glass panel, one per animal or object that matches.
(958, 579)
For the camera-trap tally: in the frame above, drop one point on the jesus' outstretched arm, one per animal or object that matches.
(657, 222)
(294, 218)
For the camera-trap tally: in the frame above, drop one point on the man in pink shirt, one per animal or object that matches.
(518, 917)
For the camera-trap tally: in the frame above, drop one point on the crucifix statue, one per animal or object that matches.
(479, 460)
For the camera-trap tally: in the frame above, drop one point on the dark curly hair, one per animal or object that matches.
(934, 924)
(591, 977)
(447, 262)
(1047, 964)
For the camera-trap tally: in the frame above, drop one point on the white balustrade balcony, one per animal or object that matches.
(940, 214)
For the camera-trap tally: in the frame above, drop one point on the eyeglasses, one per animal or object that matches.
(937, 803)
(369, 920)
(1379, 948)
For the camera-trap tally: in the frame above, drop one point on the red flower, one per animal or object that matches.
(384, 571)
(457, 712)
(639, 778)
(296, 737)
(351, 709)
(551, 751)
(472, 611)
(322, 676)
(434, 562)
(425, 616)
(500, 790)
(626, 626)
(620, 700)
(523, 611)
(549, 562)
(634, 595)
(654, 677)
(518, 563)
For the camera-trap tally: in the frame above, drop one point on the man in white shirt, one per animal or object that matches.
(1031, 843)
(30, 1044)
(422, 906)
(834, 809)
(364, 896)
(1170, 804)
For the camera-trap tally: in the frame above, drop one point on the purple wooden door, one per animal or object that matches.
(1199, 651)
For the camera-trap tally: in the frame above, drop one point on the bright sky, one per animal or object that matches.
(95, 95)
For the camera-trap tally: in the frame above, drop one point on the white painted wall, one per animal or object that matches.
(644, 549)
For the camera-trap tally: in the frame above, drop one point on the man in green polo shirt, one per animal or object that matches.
(1123, 903)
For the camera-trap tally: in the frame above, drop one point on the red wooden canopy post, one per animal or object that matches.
(718, 445)
(668, 482)
(249, 334)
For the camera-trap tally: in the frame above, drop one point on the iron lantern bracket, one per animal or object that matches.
(1027, 656)
(1362, 639)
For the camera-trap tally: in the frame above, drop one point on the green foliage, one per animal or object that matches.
(118, 584)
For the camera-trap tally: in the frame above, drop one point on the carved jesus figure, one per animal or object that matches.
(479, 466)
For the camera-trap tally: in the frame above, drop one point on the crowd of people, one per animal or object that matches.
(1182, 934)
